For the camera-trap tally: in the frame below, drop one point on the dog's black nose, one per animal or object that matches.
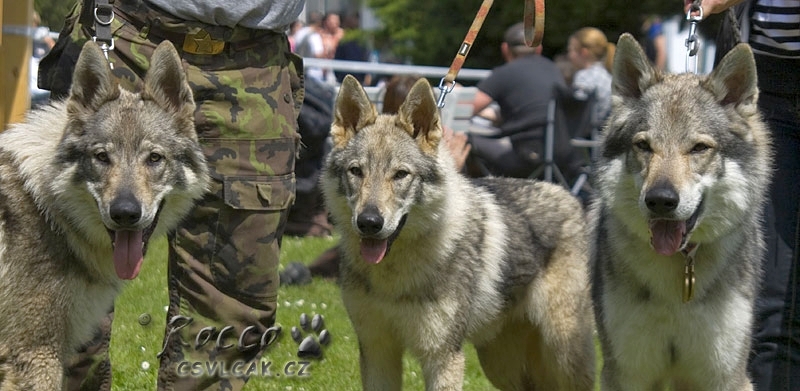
(125, 210)
(370, 221)
(662, 199)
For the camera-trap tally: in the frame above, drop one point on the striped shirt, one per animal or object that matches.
(775, 29)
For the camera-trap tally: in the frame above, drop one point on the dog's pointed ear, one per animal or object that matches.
(734, 80)
(352, 111)
(632, 72)
(421, 116)
(165, 82)
(92, 81)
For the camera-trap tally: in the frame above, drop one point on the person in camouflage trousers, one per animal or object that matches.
(223, 259)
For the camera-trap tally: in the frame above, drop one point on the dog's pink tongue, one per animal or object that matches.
(373, 250)
(128, 254)
(666, 235)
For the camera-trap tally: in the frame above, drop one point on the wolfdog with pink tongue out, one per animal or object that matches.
(434, 259)
(84, 185)
(682, 181)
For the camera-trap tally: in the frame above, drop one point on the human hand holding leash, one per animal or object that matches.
(712, 6)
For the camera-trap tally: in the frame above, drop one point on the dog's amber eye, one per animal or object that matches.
(102, 156)
(155, 158)
(400, 174)
(356, 171)
(700, 147)
(644, 146)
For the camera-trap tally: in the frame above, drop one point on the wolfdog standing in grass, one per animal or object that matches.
(84, 185)
(433, 259)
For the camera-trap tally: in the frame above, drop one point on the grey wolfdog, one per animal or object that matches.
(432, 259)
(681, 183)
(84, 184)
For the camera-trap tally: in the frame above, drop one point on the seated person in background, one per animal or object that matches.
(591, 54)
(522, 87)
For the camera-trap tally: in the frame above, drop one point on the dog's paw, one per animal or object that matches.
(311, 346)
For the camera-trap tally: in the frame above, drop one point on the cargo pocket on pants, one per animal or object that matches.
(255, 212)
(264, 193)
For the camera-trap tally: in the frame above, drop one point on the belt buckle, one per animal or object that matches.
(202, 43)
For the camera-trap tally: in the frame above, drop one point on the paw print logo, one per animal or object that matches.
(311, 345)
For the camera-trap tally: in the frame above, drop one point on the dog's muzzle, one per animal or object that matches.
(668, 236)
(369, 223)
(130, 245)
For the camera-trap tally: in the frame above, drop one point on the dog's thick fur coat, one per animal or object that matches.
(84, 184)
(432, 259)
(681, 182)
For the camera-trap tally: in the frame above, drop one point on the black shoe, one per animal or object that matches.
(295, 273)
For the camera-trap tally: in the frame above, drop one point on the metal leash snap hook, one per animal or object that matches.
(444, 91)
(103, 16)
(105, 47)
(691, 41)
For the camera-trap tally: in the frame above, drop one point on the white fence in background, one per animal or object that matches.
(394, 69)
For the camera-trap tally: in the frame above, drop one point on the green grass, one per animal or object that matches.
(134, 347)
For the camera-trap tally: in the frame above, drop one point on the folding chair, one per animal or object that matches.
(568, 118)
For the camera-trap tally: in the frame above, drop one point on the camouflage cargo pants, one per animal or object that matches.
(223, 259)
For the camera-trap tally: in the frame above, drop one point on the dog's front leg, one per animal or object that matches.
(381, 363)
(380, 351)
(443, 370)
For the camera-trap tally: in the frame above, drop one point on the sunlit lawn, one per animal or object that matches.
(134, 347)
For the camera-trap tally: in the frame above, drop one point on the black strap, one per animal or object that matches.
(87, 13)
(103, 14)
(97, 15)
